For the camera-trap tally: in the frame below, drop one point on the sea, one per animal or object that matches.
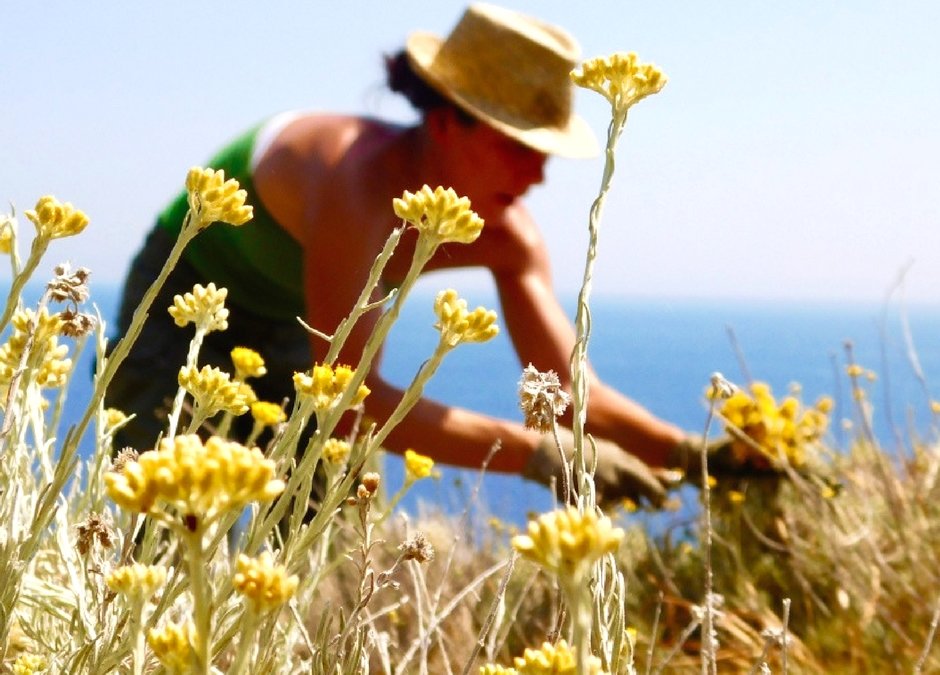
(662, 353)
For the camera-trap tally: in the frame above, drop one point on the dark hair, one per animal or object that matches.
(402, 79)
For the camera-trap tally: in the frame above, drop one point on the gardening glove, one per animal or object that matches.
(619, 475)
(726, 459)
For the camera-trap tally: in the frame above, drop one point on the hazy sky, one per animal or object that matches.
(794, 154)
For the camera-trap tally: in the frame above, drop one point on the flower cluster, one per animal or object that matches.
(54, 220)
(215, 199)
(266, 586)
(458, 325)
(46, 356)
(620, 78)
(541, 398)
(417, 466)
(214, 391)
(137, 581)
(549, 659)
(172, 644)
(567, 542)
(781, 431)
(7, 233)
(27, 664)
(248, 363)
(327, 385)
(440, 215)
(205, 307)
(267, 414)
(336, 451)
(198, 480)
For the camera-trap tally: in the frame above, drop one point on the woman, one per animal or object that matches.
(495, 98)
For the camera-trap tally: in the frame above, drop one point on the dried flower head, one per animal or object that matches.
(214, 199)
(541, 398)
(267, 414)
(439, 215)
(213, 391)
(248, 363)
(69, 286)
(327, 385)
(54, 220)
(93, 529)
(77, 324)
(458, 325)
(196, 481)
(137, 581)
(205, 307)
(172, 644)
(124, 456)
(266, 586)
(567, 542)
(369, 485)
(336, 451)
(417, 548)
(620, 78)
(417, 466)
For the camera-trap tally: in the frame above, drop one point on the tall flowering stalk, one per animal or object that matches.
(623, 81)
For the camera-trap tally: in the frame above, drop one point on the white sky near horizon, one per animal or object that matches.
(794, 154)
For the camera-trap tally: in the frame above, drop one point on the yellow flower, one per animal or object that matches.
(267, 414)
(458, 325)
(935, 407)
(114, 418)
(196, 480)
(327, 386)
(213, 390)
(214, 199)
(46, 357)
(266, 586)
(27, 664)
(417, 466)
(567, 542)
(137, 581)
(440, 216)
(495, 669)
(735, 497)
(557, 659)
(205, 307)
(172, 644)
(248, 363)
(6, 234)
(53, 219)
(854, 370)
(620, 78)
(336, 451)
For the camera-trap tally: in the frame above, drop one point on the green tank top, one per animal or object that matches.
(259, 263)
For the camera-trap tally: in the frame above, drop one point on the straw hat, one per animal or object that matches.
(510, 71)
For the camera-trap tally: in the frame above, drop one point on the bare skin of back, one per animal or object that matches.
(330, 181)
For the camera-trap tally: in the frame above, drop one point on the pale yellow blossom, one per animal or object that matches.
(212, 198)
(53, 219)
(7, 230)
(27, 664)
(557, 659)
(196, 480)
(248, 363)
(620, 78)
(417, 466)
(172, 644)
(266, 586)
(457, 325)
(47, 357)
(213, 390)
(327, 385)
(204, 306)
(137, 581)
(439, 215)
(114, 418)
(336, 451)
(567, 542)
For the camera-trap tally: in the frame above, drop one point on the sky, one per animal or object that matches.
(794, 154)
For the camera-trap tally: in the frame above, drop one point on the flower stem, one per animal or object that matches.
(201, 592)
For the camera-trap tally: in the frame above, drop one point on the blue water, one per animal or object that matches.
(661, 353)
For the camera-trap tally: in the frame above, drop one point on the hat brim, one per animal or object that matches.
(575, 139)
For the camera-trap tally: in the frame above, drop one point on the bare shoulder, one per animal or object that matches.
(512, 242)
